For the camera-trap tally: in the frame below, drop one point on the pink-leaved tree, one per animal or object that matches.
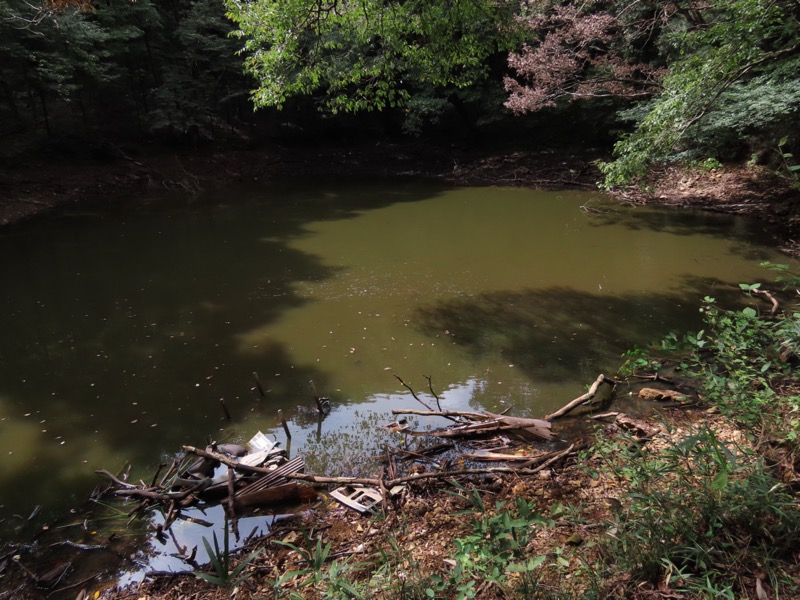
(586, 49)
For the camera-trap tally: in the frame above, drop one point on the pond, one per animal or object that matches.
(123, 330)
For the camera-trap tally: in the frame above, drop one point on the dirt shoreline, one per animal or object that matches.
(427, 518)
(30, 189)
(36, 187)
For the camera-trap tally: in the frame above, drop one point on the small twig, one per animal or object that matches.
(653, 377)
(78, 546)
(413, 393)
(231, 494)
(258, 384)
(169, 472)
(473, 416)
(225, 408)
(119, 482)
(157, 473)
(321, 402)
(607, 415)
(76, 584)
(430, 387)
(283, 422)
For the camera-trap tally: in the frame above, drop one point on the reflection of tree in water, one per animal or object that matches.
(352, 451)
(95, 540)
(560, 333)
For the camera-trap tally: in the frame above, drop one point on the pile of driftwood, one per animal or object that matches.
(239, 477)
(481, 436)
(261, 475)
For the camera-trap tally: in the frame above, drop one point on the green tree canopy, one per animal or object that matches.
(368, 54)
(707, 77)
(119, 69)
(733, 78)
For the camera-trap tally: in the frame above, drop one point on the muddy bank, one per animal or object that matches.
(420, 531)
(35, 187)
(755, 191)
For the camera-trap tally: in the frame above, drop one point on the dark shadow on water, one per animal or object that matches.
(293, 203)
(122, 331)
(558, 333)
(685, 223)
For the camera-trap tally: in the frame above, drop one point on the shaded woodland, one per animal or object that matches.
(662, 81)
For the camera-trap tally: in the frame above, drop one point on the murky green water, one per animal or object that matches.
(122, 332)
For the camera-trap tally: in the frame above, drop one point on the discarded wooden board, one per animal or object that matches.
(261, 452)
(276, 478)
(493, 444)
(399, 425)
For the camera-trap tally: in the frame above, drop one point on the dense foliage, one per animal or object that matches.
(369, 54)
(122, 68)
(689, 80)
(721, 77)
(731, 87)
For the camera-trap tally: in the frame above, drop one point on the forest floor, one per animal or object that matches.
(417, 537)
(398, 554)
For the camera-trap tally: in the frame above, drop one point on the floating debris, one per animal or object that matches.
(252, 476)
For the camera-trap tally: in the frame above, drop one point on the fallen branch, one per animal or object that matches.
(152, 494)
(475, 416)
(422, 452)
(491, 456)
(119, 482)
(413, 393)
(227, 460)
(430, 387)
(388, 484)
(775, 306)
(608, 415)
(582, 399)
(653, 377)
(550, 457)
(482, 423)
